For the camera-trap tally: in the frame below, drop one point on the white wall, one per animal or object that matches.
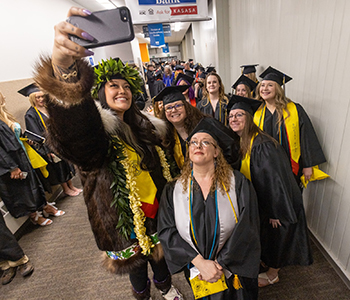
(308, 40)
(26, 31)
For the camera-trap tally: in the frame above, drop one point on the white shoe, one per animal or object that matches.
(173, 294)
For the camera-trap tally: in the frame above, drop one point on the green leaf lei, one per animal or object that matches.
(110, 67)
(120, 192)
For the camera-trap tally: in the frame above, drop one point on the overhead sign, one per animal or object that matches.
(166, 48)
(156, 35)
(166, 30)
(167, 11)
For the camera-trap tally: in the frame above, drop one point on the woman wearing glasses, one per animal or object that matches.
(208, 220)
(284, 238)
(181, 118)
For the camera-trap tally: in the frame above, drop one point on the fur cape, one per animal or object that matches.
(79, 130)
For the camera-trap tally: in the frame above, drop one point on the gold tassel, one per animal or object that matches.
(236, 283)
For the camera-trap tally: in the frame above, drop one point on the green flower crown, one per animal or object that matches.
(110, 67)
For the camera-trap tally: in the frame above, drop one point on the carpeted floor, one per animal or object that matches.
(67, 266)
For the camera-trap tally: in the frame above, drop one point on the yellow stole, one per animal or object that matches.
(245, 164)
(178, 156)
(146, 188)
(35, 159)
(292, 128)
(293, 135)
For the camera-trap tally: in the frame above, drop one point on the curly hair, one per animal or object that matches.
(5, 116)
(193, 116)
(281, 101)
(135, 122)
(222, 175)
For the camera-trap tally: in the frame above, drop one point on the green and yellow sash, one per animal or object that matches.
(245, 164)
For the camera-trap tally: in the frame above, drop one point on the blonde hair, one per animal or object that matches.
(251, 76)
(222, 175)
(281, 101)
(5, 116)
(222, 96)
(32, 98)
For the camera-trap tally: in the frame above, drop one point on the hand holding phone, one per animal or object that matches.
(108, 27)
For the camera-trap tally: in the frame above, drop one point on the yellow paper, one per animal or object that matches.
(203, 288)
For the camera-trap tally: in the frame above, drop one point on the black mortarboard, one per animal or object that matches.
(247, 104)
(245, 80)
(210, 69)
(275, 75)
(171, 94)
(190, 59)
(179, 67)
(190, 73)
(197, 66)
(29, 89)
(183, 76)
(203, 75)
(225, 137)
(248, 69)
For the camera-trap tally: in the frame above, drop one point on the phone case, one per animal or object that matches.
(108, 27)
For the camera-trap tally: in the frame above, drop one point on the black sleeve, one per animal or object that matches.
(178, 253)
(311, 151)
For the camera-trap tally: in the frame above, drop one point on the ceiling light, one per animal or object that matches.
(177, 26)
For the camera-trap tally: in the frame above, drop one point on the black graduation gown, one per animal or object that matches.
(241, 252)
(311, 153)
(59, 172)
(21, 197)
(9, 247)
(205, 107)
(279, 197)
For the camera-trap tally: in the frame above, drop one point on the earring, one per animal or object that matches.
(191, 164)
(215, 162)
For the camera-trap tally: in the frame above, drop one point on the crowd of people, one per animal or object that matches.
(202, 182)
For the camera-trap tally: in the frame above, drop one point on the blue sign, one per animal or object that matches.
(165, 2)
(167, 29)
(156, 34)
(166, 48)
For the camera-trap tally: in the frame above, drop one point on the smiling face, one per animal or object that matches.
(39, 99)
(203, 149)
(118, 96)
(237, 120)
(177, 114)
(212, 84)
(241, 90)
(267, 90)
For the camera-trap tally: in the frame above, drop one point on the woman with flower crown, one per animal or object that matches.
(117, 150)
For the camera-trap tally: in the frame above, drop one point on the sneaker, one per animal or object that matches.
(173, 294)
(26, 269)
(8, 275)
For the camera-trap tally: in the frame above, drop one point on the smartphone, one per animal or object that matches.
(108, 27)
(34, 137)
(24, 175)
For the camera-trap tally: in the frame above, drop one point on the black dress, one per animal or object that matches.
(279, 197)
(241, 252)
(59, 172)
(21, 197)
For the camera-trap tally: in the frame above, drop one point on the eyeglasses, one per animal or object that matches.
(176, 106)
(237, 115)
(204, 144)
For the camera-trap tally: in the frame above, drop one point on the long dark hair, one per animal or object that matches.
(137, 131)
(193, 116)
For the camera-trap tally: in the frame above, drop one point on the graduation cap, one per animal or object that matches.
(190, 59)
(245, 80)
(275, 75)
(210, 69)
(179, 67)
(247, 69)
(171, 94)
(197, 66)
(29, 89)
(225, 137)
(190, 73)
(158, 73)
(247, 104)
(183, 76)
